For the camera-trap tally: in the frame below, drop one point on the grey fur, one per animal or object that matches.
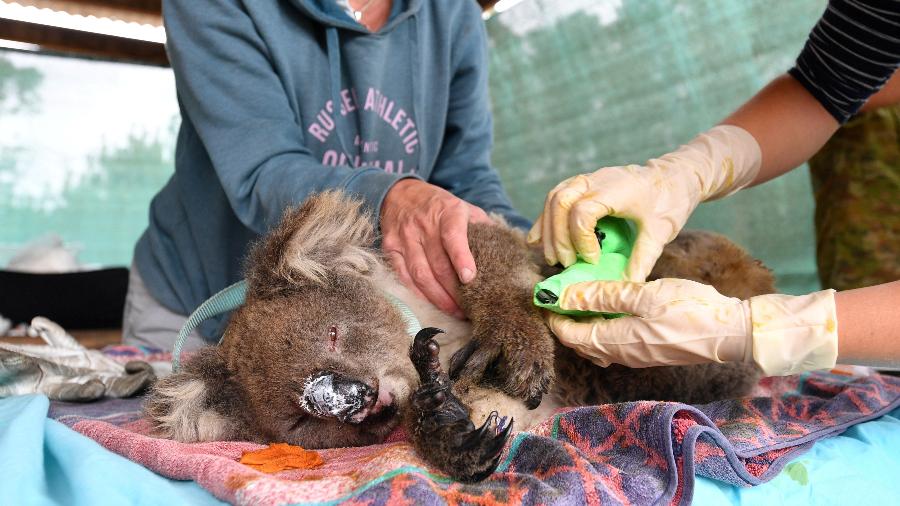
(316, 276)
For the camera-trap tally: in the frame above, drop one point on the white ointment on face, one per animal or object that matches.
(320, 397)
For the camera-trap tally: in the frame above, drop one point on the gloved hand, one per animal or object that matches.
(659, 197)
(64, 370)
(681, 322)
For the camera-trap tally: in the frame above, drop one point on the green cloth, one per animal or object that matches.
(616, 241)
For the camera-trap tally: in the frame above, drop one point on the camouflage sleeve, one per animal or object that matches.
(856, 181)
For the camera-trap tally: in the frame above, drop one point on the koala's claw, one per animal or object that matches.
(441, 428)
(485, 445)
(461, 357)
(489, 425)
(543, 386)
(524, 372)
(424, 355)
(492, 432)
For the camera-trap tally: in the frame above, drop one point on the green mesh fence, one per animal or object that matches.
(84, 146)
(581, 84)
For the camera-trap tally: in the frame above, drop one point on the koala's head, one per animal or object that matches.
(320, 352)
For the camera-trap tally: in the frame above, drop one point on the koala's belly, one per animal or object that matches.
(481, 401)
(456, 332)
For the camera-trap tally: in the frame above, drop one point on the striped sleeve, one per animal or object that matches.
(851, 52)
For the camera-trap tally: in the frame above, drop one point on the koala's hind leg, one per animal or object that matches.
(198, 403)
(710, 258)
(439, 421)
(583, 383)
(700, 256)
(511, 347)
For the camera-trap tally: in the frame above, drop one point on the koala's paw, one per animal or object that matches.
(514, 355)
(441, 429)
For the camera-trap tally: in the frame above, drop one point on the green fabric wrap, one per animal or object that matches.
(616, 241)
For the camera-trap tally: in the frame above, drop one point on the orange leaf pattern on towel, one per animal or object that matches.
(281, 456)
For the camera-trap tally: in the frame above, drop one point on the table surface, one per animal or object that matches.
(88, 338)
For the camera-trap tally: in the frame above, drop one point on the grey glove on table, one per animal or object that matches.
(66, 371)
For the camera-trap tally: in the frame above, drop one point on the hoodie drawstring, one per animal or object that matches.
(417, 92)
(332, 43)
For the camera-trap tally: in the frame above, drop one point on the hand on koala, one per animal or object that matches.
(682, 322)
(658, 196)
(424, 230)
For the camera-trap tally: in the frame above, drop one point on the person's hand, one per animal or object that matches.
(681, 322)
(425, 237)
(659, 197)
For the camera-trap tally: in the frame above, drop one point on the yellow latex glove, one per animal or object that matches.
(681, 322)
(659, 197)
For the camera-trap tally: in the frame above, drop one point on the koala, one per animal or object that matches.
(319, 355)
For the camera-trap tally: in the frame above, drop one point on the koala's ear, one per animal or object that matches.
(329, 232)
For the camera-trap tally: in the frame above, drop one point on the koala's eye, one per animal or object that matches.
(332, 337)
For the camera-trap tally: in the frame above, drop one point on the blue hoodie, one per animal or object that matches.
(257, 84)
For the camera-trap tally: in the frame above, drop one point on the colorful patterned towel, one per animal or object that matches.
(631, 453)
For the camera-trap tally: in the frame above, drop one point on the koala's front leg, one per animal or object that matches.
(439, 422)
(511, 348)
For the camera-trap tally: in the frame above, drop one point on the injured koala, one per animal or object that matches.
(319, 355)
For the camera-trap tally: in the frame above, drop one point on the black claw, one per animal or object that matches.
(534, 400)
(427, 333)
(459, 359)
(500, 440)
(491, 450)
(489, 422)
(424, 355)
(492, 454)
(478, 436)
(545, 296)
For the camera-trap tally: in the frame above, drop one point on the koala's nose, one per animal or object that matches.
(332, 395)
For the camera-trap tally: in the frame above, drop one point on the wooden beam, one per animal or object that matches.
(144, 12)
(155, 6)
(143, 6)
(76, 42)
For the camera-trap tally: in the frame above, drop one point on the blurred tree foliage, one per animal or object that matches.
(104, 211)
(94, 195)
(18, 87)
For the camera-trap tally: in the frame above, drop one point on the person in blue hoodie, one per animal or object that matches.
(384, 99)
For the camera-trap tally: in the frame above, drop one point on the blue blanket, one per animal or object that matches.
(48, 463)
(45, 462)
(860, 466)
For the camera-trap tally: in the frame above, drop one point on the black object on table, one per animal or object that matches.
(76, 300)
